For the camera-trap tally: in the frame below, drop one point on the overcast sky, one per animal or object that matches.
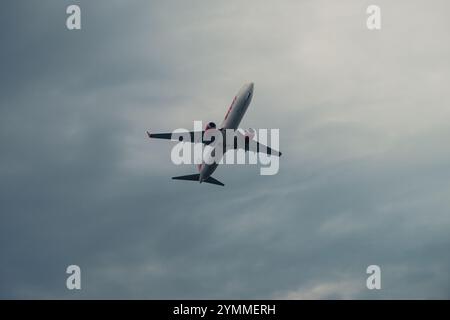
(364, 130)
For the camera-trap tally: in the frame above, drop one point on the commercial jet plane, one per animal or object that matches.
(232, 119)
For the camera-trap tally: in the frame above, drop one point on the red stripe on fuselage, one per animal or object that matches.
(231, 107)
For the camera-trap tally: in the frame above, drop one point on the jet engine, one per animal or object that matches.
(210, 125)
(250, 133)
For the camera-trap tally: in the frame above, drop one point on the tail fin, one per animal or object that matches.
(196, 177)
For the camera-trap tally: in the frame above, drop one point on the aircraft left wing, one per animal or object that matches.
(195, 136)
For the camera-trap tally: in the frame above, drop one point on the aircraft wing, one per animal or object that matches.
(194, 136)
(255, 146)
(197, 137)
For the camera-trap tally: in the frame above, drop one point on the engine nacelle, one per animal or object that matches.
(250, 133)
(210, 125)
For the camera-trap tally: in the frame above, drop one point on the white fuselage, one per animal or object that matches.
(232, 120)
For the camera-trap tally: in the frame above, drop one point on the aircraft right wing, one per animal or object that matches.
(255, 146)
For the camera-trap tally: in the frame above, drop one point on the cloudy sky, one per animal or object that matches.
(364, 125)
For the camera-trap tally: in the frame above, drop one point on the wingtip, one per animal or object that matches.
(148, 134)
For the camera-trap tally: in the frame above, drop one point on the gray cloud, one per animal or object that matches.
(363, 121)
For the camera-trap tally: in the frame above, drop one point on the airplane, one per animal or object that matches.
(232, 120)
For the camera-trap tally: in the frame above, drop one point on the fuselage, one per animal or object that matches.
(233, 118)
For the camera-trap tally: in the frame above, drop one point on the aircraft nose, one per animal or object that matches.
(250, 86)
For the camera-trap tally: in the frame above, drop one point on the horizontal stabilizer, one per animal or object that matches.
(196, 177)
(190, 177)
(213, 181)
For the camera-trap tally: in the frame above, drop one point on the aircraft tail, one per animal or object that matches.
(191, 177)
(196, 177)
(214, 181)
